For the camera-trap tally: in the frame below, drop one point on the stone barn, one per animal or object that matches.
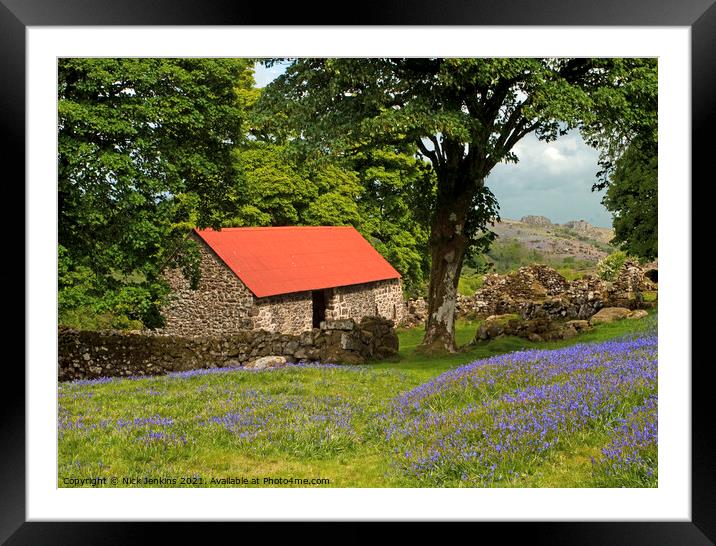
(281, 279)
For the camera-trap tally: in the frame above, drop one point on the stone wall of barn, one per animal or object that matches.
(380, 298)
(286, 313)
(221, 303)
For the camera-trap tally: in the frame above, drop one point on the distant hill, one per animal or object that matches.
(577, 239)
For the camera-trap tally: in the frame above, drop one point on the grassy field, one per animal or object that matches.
(504, 413)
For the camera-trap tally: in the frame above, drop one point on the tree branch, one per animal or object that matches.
(507, 130)
(430, 154)
(438, 149)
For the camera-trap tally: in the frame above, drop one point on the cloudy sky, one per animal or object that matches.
(551, 179)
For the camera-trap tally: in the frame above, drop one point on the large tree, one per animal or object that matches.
(625, 130)
(463, 115)
(144, 153)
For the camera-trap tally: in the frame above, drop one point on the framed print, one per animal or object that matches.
(55, 471)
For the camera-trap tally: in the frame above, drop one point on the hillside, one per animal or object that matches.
(577, 239)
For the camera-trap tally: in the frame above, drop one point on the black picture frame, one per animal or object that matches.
(17, 15)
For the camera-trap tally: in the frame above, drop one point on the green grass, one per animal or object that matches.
(650, 295)
(304, 422)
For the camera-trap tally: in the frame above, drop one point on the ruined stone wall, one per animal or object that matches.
(220, 305)
(380, 298)
(540, 292)
(90, 355)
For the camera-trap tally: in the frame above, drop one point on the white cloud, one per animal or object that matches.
(552, 179)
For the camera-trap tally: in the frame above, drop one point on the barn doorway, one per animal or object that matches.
(319, 307)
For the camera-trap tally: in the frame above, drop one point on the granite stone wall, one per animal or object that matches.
(540, 292)
(287, 313)
(90, 355)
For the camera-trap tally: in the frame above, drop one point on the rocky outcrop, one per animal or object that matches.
(580, 226)
(536, 220)
(119, 354)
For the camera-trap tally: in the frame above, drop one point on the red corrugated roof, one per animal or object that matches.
(281, 260)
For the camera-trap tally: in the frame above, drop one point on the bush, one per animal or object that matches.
(609, 267)
(86, 318)
(469, 284)
(512, 254)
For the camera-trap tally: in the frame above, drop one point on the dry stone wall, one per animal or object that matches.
(540, 292)
(90, 355)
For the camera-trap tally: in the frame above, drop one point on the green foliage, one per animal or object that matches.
(632, 197)
(569, 273)
(87, 318)
(625, 130)
(381, 193)
(512, 254)
(609, 267)
(623, 111)
(88, 302)
(395, 209)
(144, 154)
(273, 189)
(470, 281)
(650, 295)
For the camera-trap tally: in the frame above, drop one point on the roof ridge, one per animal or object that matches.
(257, 228)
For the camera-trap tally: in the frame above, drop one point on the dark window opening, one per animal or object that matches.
(319, 307)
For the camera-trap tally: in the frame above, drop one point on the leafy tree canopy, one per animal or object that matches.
(144, 153)
(625, 130)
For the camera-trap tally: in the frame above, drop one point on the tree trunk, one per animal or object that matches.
(448, 245)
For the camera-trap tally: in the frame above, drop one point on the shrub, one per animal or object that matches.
(469, 284)
(609, 267)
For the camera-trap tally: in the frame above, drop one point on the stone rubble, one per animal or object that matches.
(538, 291)
(536, 302)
